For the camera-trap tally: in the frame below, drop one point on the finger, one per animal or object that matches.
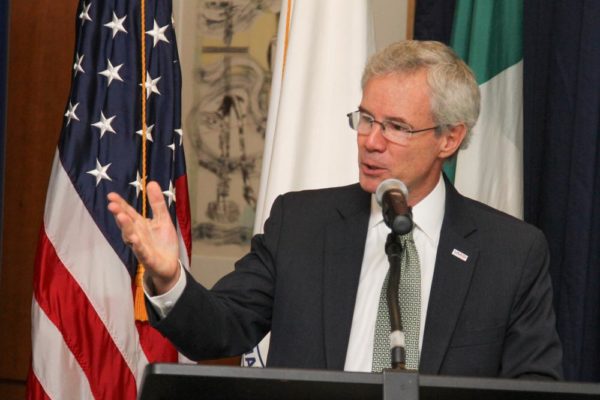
(134, 242)
(115, 209)
(132, 236)
(140, 251)
(118, 204)
(128, 228)
(119, 215)
(157, 202)
(114, 196)
(114, 203)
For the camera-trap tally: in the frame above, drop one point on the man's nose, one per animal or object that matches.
(375, 139)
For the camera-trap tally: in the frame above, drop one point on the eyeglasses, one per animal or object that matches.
(396, 132)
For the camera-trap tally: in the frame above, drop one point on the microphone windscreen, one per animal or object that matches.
(390, 184)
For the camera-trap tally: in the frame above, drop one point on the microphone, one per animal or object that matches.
(391, 195)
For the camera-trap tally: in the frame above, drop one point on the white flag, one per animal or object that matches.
(322, 48)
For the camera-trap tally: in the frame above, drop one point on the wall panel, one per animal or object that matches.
(42, 36)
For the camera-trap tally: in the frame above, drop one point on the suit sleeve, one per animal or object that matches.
(532, 348)
(235, 315)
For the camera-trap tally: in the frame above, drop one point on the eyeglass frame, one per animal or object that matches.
(409, 131)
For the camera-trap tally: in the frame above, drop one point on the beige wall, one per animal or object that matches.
(390, 20)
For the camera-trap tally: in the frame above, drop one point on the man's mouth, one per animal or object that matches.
(371, 168)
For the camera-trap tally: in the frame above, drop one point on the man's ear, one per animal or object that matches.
(453, 137)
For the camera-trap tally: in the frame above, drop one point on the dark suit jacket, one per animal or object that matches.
(489, 315)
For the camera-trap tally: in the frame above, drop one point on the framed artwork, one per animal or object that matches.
(226, 49)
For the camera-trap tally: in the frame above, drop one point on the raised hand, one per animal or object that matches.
(154, 241)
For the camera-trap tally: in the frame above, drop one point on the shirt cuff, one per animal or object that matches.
(165, 302)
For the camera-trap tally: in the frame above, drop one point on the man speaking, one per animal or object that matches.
(474, 294)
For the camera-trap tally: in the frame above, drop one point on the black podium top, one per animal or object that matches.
(186, 381)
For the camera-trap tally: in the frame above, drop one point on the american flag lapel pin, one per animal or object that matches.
(460, 255)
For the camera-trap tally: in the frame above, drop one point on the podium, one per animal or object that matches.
(187, 381)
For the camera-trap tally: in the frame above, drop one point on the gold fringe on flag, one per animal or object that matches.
(139, 304)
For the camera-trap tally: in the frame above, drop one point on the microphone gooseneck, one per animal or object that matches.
(392, 194)
(393, 249)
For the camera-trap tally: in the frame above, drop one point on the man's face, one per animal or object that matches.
(418, 162)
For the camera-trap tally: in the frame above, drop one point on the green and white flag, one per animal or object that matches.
(487, 34)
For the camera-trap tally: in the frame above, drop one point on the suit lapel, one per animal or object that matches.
(451, 281)
(344, 248)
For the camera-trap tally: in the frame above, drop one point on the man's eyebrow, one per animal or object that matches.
(362, 109)
(393, 119)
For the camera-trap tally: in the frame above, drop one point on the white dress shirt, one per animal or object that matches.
(164, 303)
(427, 216)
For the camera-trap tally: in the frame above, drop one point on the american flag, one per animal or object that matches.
(86, 343)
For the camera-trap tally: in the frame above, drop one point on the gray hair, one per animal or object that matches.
(454, 91)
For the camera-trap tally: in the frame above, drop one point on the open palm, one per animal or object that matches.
(153, 240)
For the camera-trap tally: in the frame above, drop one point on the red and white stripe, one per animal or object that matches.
(86, 343)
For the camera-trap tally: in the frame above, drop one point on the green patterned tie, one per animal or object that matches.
(410, 305)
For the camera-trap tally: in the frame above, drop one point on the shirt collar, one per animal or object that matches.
(428, 214)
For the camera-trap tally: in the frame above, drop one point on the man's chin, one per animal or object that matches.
(369, 184)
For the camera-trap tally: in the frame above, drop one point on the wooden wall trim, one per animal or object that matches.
(410, 19)
(41, 40)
